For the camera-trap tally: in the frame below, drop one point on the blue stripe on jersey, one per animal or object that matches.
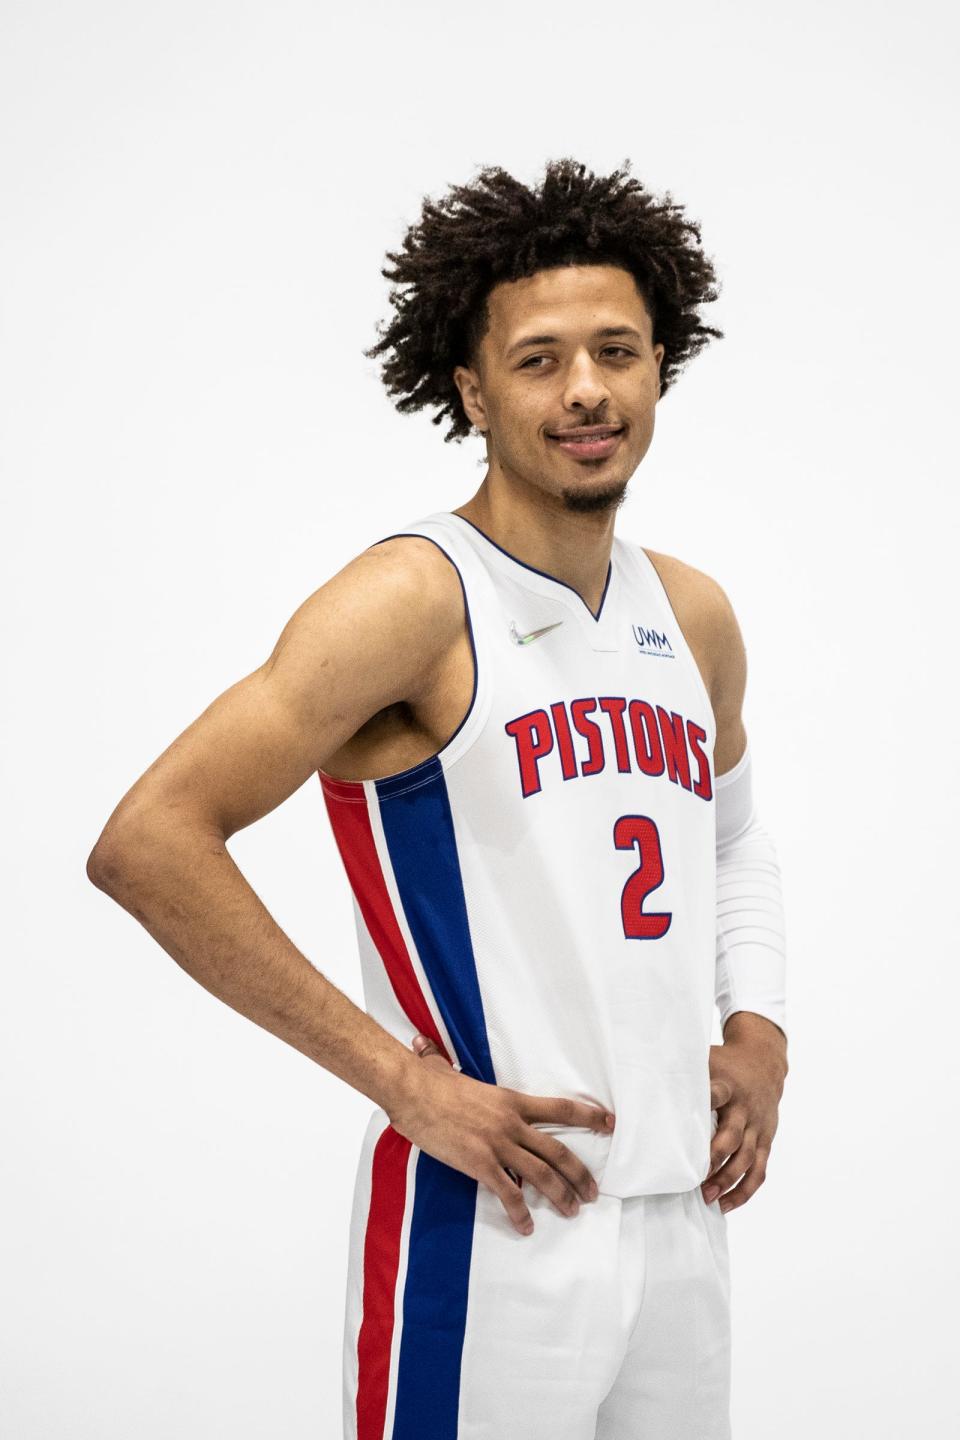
(434, 1303)
(418, 827)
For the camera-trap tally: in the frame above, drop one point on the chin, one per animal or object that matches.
(585, 501)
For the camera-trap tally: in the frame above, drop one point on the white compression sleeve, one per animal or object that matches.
(751, 942)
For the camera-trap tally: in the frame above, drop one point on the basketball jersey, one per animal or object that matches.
(539, 897)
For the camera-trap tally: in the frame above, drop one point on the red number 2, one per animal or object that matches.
(640, 830)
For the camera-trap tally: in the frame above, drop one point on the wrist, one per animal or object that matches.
(745, 1027)
(405, 1086)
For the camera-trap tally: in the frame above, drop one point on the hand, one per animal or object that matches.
(488, 1132)
(746, 1082)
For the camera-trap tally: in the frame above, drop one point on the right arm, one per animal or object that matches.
(362, 641)
(372, 636)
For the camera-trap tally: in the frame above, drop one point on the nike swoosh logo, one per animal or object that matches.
(519, 639)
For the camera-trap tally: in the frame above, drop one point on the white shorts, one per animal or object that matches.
(611, 1324)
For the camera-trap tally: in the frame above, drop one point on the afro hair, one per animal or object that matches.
(497, 229)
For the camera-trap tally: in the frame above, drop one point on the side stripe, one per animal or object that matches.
(347, 808)
(435, 1302)
(418, 827)
(381, 1262)
(408, 1378)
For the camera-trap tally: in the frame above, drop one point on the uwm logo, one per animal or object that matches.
(653, 642)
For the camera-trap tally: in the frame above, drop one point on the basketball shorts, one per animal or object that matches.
(611, 1324)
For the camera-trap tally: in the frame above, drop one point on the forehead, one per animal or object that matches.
(567, 297)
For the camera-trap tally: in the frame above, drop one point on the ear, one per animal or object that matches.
(468, 383)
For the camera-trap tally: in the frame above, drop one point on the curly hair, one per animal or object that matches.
(497, 229)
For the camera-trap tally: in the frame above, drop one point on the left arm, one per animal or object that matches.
(748, 1070)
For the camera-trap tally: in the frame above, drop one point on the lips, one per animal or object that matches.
(597, 443)
(584, 432)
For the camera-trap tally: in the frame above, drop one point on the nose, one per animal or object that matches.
(585, 387)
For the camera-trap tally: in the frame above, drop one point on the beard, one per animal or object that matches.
(587, 502)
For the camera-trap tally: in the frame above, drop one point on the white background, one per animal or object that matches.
(196, 202)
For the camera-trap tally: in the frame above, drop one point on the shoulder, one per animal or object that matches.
(709, 624)
(380, 625)
(409, 588)
(697, 598)
(410, 566)
(406, 581)
(418, 573)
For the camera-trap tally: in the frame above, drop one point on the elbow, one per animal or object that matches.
(105, 863)
(137, 844)
(117, 855)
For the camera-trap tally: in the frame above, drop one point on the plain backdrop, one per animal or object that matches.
(195, 205)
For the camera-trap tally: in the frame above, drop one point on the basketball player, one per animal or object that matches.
(529, 737)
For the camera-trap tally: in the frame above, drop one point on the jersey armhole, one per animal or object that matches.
(655, 577)
(399, 782)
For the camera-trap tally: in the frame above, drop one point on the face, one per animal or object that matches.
(546, 368)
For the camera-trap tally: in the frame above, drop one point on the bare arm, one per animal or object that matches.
(366, 639)
(372, 636)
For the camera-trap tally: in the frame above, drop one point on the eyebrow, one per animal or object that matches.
(603, 334)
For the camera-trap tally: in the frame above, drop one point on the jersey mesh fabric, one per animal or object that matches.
(540, 896)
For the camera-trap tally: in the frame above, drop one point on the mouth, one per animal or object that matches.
(589, 442)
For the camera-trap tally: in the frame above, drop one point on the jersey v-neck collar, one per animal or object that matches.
(544, 575)
(600, 629)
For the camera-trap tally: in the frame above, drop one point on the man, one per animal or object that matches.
(529, 736)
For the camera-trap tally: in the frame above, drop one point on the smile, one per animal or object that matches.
(590, 447)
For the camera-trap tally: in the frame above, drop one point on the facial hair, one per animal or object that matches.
(586, 502)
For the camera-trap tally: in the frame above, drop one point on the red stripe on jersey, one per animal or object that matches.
(346, 804)
(381, 1263)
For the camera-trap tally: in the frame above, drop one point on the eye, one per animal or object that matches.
(622, 349)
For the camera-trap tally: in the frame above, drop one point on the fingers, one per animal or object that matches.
(541, 1159)
(565, 1196)
(728, 1137)
(741, 1193)
(506, 1182)
(425, 1047)
(553, 1110)
(559, 1110)
(748, 1166)
(511, 1197)
(555, 1170)
(552, 1169)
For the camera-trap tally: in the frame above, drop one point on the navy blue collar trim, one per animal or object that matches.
(544, 573)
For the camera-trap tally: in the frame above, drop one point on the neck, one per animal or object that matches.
(539, 530)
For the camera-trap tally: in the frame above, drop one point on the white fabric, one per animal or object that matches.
(611, 1324)
(540, 894)
(751, 943)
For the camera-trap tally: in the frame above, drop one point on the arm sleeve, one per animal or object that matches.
(751, 942)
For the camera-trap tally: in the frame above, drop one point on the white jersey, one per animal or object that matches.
(540, 896)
